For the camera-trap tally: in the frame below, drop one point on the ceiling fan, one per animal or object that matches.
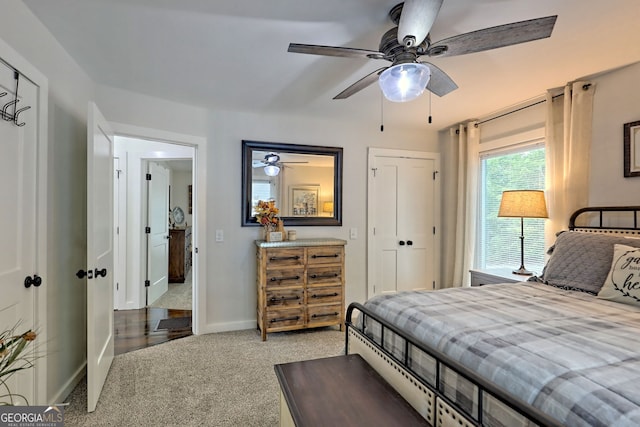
(407, 77)
(271, 164)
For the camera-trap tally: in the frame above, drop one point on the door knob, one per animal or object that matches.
(82, 273)
(35, 281)
(102, 272)
(401, 242)
(409, 242)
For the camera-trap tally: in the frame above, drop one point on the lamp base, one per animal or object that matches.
(523, 272)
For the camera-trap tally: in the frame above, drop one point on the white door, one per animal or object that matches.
(158, 235)
(403, 213)
(18, 250)
(118, 239)
(99, 254)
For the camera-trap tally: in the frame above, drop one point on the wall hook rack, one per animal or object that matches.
(5, 113)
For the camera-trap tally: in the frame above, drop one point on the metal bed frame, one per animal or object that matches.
(427, 395)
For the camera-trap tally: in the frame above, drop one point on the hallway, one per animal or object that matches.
(136, 329)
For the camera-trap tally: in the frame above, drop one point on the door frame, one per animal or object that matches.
(199, 177)
(17, 61)
(406, 154)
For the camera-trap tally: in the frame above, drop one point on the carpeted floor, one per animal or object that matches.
(178, 296)
(224, 379)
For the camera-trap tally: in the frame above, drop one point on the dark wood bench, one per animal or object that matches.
(340, 391)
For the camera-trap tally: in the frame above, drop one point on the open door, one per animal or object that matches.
(99, 254)
(157, 231)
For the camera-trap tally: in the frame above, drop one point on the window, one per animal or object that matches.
(261, 190)
(498, 240)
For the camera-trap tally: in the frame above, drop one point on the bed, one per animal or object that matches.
(559, 349)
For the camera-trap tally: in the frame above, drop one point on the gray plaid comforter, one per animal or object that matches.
(570, 354)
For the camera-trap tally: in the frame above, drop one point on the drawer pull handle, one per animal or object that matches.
(315, 316)
(283, 258)
(323, 276)
(335, 294)
(285, 319)
(274, 299)
(325, 256)
(275, 279)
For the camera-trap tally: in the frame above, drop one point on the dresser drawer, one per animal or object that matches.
(324, 295)
(325, 255)
(285, 277)
(284, 298)
(280, 257)
(324, 275)
(285, 318)
(324, 314)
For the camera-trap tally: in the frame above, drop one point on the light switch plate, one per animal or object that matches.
(353, 233)
(219, 236)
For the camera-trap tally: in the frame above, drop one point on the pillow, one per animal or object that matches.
(582, 260)
(623, 281)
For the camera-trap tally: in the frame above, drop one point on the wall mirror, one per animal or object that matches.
(305, 181)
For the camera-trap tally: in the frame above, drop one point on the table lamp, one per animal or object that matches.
(523, 204)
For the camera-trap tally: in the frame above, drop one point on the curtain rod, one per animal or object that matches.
(584, 87)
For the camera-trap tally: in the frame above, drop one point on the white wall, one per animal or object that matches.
(616, 102)
(231, 264)
(180, 181)
(229, 297)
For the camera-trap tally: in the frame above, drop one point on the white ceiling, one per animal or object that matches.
(233, 54)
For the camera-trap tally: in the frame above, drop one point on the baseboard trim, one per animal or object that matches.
(66, 389)
(212, 328)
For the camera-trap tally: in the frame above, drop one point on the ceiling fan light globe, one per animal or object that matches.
(404, 82)
(271, 170)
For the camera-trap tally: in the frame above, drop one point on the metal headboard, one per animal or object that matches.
(601, 210)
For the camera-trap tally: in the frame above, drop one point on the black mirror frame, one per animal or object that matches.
(336, 152)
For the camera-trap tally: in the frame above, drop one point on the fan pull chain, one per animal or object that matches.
(430, 119)
(381, 112)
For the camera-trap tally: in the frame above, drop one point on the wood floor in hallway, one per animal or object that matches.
(136, 329)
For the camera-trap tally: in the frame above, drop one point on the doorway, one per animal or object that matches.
(134, 154)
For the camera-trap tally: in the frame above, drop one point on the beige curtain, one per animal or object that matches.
(460, 189)
(568, 148)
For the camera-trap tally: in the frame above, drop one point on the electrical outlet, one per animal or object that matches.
(219, 236)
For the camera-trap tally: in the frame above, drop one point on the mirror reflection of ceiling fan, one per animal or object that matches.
(407, 77)
(272, 164)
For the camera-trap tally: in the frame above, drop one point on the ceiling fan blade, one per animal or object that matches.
(494, 37)
(344, 52)
(416, 19)
(360, 84)
(440, 83)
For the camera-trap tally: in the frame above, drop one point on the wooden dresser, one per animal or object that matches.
(300, 284)
(179, 254)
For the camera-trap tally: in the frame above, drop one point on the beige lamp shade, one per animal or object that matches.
(523, 204)
(327, 207)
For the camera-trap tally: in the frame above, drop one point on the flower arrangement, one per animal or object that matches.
(13, 359)
(267, 214)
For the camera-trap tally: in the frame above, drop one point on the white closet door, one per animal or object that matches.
(403, 214)
(18, 245)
